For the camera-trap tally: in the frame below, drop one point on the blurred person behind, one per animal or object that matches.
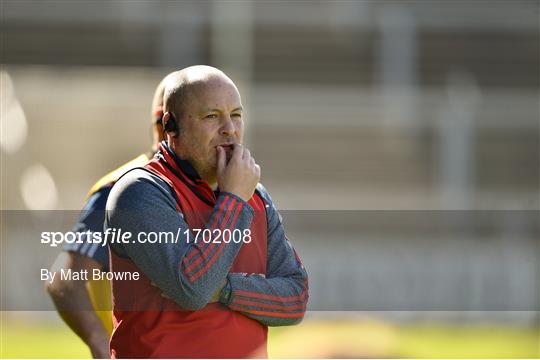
(85, 305)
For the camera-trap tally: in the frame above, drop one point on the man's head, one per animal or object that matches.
(207, 109)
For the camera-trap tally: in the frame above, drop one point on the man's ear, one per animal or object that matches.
(165, 119)
(170, 125)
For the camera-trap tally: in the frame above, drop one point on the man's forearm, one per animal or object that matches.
(74, 306)
(229, 213)
(189, 273)
(280, 296)
(205, 266)
(276, 301)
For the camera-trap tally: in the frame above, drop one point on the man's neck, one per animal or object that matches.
(211, 179)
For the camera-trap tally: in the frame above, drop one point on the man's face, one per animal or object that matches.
(212, 116)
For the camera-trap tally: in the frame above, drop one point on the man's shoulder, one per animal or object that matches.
(109, 179)
(263, 193)
(271, 210)
(136, 185)
(261, 189)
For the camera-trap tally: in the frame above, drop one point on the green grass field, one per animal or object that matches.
(317, 339)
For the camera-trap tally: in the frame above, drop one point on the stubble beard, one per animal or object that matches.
(206, 168)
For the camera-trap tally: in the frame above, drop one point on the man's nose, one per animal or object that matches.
(228, 126)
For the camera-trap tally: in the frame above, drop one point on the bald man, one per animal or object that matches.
(230, 271)
(86, 305)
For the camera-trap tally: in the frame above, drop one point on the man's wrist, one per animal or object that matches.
(233, 195)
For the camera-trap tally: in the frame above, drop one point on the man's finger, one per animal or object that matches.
(238, 150)
(247, 154)
(221, 159)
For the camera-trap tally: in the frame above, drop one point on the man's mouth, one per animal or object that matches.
(228, 150)
(227, 147)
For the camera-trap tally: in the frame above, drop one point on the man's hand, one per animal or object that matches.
(217, 294)
(241, 175)
(215, 297)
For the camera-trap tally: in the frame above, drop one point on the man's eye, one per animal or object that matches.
(236, 115)
(211, 116)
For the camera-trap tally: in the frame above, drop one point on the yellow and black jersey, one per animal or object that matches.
(91, 219)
